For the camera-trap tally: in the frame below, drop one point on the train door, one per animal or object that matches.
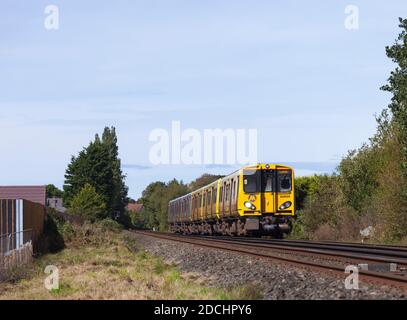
(268, 186)
(227, 199)
(232, 196)
(218, 193)
(223, 195)
(213, 207)
(208, 204)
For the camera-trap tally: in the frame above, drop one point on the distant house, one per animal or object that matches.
(56, 203)
(36, 194)
(135, 207)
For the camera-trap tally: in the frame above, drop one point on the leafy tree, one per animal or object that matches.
(203, 180)
(89, 204)
(53, 192)
(99, 165)
(358, 175)
(155, 200)
(397, 85)
(119, 189)
(304, 188)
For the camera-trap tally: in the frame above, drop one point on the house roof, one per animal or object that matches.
(136, 207)
(31, 193)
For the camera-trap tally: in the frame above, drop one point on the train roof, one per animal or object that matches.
(255, 166)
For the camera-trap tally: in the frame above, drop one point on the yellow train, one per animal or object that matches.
(253, 200)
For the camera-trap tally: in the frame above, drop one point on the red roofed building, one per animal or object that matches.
(135, 207)
(35, 194)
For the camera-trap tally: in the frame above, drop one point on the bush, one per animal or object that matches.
(298, 230)
(88, 204)
(110, 225)
(51, 240)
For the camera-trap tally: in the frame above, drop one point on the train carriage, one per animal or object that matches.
(253, 200)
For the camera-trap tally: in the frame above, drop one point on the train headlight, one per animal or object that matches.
(249, 205)
(285, 205)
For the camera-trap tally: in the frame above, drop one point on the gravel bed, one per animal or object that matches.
(276, 280)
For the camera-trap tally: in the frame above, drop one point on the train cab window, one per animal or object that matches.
(284, 181)
(267, 181)
(251, 181)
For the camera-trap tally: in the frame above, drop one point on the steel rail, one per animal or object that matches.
(253, 249)
(396, 255)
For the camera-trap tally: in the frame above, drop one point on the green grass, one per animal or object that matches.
(93, 268)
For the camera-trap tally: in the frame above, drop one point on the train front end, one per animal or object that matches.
(267, 199)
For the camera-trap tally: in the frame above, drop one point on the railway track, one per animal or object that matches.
(355, 251)
(331, 257)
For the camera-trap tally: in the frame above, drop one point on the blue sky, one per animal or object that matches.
(288, 68)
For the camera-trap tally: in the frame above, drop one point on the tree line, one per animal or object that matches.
(369, 187)
(156, 196)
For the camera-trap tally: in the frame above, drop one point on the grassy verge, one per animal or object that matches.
(101, 262)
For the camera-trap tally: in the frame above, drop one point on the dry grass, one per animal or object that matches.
(112, 267)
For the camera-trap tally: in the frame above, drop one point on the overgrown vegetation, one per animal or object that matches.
(88, 204)
(53, 192)
(101, 261)
(370, 186)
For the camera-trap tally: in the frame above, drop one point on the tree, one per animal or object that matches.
(397, 85)
(304, 188)
(88, 204)
(203, 180)
(53, 192)
(119, 189)
(155, 200)
(359, 175)
(99, 165)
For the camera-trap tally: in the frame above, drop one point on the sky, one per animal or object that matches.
(290, 69)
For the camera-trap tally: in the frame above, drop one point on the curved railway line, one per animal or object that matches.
(322, 256)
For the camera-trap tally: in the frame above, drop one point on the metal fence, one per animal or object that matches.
(16, 250)
(14, 241)
(17, 216)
